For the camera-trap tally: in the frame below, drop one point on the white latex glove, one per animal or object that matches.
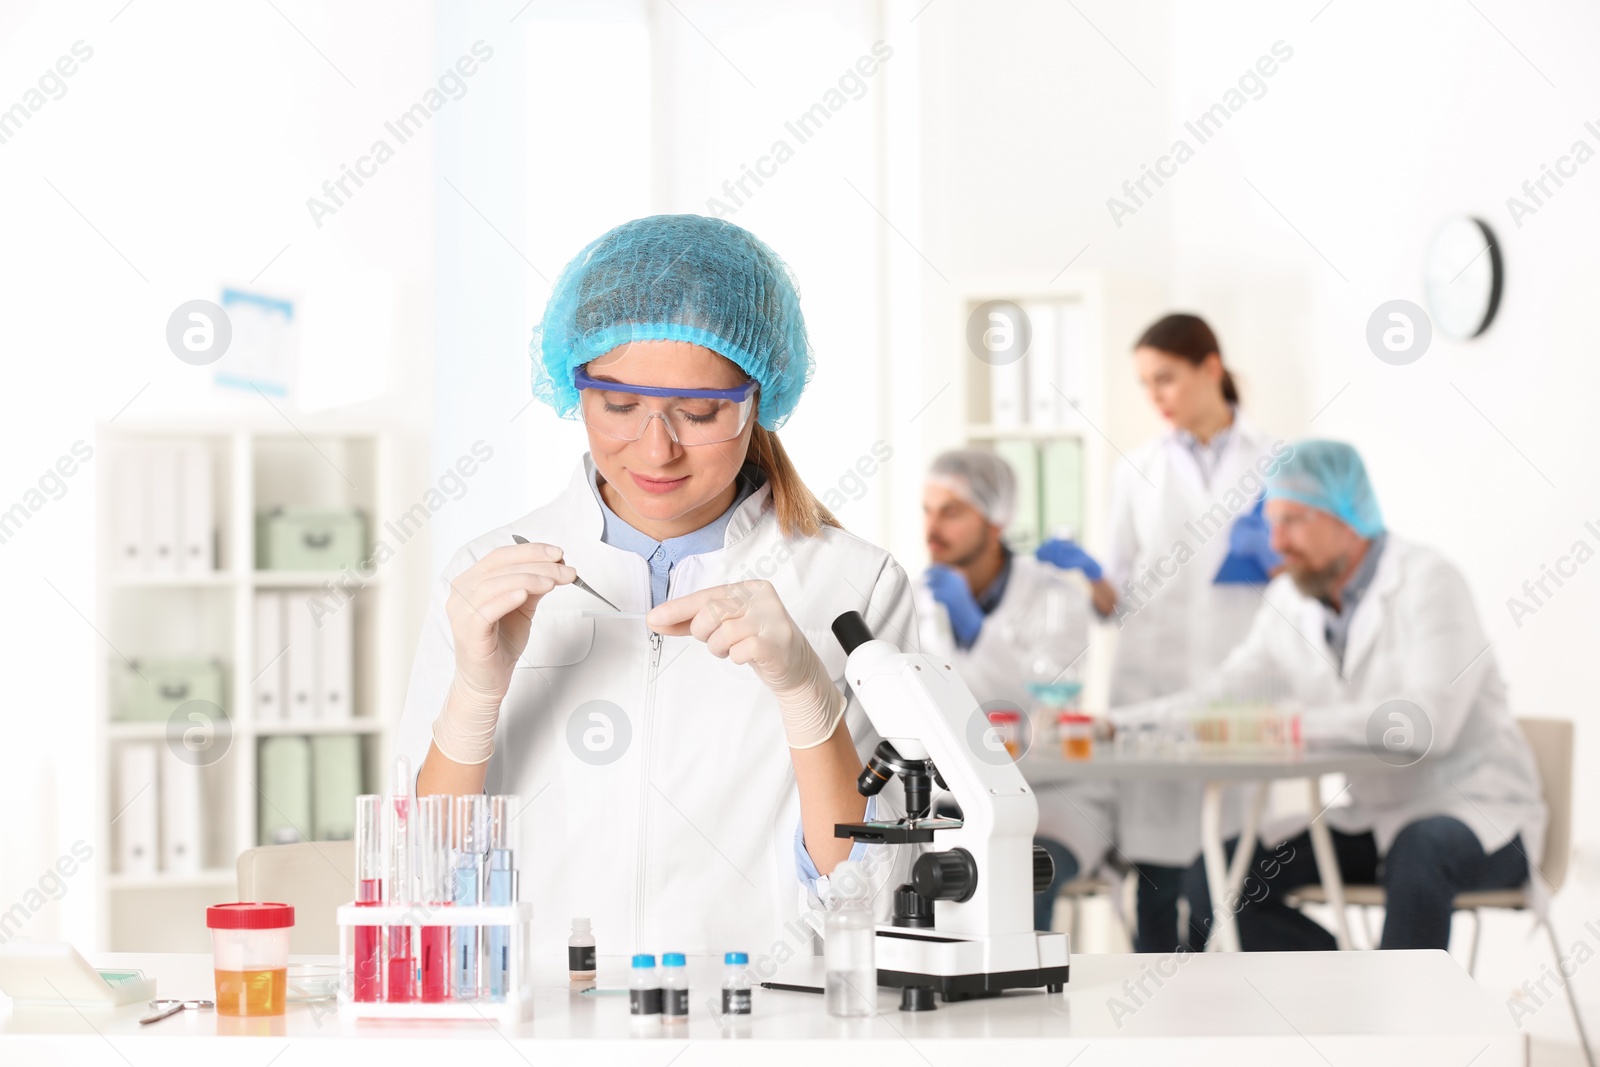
(491, 609)
(747, 623)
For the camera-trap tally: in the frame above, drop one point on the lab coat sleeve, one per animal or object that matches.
(892, 612)
(891, 615)
(432, 668)
(1122, 536)
(1443, 668)
(1252, 668)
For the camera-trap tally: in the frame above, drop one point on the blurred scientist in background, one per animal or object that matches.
(1378, 638)
(1186, 559)
(1005, 620)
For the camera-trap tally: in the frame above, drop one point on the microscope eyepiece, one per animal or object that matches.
(851, 630)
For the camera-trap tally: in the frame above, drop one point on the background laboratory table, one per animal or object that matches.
(1217, 768)
(1285, 1008)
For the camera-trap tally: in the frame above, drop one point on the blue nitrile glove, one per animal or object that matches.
(1250, 555)
(1065, 554)
(950, 589)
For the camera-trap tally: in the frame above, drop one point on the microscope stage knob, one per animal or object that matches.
(951, 875)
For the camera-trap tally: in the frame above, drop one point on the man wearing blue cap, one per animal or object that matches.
(1378, 639)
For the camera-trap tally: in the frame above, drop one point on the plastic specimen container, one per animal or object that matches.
(250, 956)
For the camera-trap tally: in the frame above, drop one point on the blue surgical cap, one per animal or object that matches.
(676, 278)
(1329, 476)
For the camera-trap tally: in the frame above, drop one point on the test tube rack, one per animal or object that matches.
(515, 1007)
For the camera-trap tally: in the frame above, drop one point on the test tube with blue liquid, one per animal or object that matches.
(502, 889)
(467, 871)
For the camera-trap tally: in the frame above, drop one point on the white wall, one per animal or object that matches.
(187, 146)
(564, 151)
(1388, 118)
(1028, 118)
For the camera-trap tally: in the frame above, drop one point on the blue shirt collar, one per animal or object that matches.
(1336, 624)
(662, 555)
(1218, 442)
(990, 598)
(1356, 587)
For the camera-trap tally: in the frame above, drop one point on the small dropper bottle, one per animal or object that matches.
(580, 952)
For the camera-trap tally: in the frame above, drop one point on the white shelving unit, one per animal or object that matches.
(255, 467)
(1102, 411)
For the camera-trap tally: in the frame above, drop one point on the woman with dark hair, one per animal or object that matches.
(1187, 553)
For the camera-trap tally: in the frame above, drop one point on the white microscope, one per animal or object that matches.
(963, 925)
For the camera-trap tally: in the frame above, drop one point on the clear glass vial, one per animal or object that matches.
(849, 941)
(580, 952)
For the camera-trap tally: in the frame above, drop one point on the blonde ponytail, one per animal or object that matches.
(800, 513)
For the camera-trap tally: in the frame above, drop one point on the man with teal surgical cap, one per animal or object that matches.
(1378, 640)
(1329, 476)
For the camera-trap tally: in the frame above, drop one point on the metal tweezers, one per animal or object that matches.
(579, 582)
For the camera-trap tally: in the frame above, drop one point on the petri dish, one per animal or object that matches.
(310, 983)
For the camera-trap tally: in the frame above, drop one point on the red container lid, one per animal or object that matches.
(1073, 716)
(250, 915)
(1005, 716)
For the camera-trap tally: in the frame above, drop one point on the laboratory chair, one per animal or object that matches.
(1551, 741)
(315, 876)
(1107, 883)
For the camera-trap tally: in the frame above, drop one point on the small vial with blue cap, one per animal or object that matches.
(674, 988)
(736, 984)
(644, 988)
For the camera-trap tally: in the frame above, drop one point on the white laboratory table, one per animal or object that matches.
(1283, 1009)
(1217, 769)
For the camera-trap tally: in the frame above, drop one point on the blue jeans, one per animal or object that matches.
(1155, 910)
(1066, 870)
(1430, 861)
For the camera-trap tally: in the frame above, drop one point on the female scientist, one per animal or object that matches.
(680, 763)
(1187, 555)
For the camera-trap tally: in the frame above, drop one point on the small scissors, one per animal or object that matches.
(166, 1006)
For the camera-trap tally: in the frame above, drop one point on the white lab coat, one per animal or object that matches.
(1079, 814)
(1415, 636)
(686, 842)
(1168, 537)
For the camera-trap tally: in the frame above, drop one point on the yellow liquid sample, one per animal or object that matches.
(1077, 747)
(252, 992)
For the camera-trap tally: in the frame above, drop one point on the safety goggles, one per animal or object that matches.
(691, 416)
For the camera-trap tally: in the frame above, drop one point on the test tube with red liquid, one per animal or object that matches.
(400, 965)
(369, 892)
(432, 846)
